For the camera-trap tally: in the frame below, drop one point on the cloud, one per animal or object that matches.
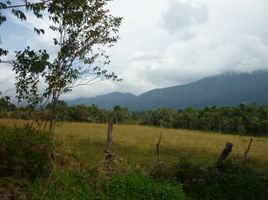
(181, 16)
(7, 80)
(187, 61)
(143, 56)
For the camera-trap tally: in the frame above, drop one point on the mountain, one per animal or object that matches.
(229, 89)
(107, 101)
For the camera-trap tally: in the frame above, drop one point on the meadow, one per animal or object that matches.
(136, 145)
(73, 165)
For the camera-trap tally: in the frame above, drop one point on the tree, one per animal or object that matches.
(164, 117)
(6, 106)
(85, 28)
(121, 114)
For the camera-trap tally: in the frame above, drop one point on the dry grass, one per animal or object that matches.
(137, 144)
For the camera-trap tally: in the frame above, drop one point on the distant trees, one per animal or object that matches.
(244, 119)
(160, 117)
(122, 115)
(6, 107)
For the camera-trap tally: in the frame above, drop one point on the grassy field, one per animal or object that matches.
(136, 145)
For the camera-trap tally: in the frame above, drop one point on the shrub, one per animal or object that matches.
(162, 171)
(62, 185)
(231, 182)
(137, 186)
(25, 152)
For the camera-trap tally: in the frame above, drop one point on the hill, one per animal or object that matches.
(107, 101)
(229, 89)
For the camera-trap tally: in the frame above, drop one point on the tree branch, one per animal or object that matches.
(23, 5)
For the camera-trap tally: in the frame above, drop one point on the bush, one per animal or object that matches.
(62, 185)
(162, 171)
(231, 182)
(25, 152)
(65, 185)
(137, 186)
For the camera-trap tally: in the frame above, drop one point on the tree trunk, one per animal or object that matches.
(52, 117)
(52, 111)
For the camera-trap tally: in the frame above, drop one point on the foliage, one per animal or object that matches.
(231, 182)
(162, 171)
(77, 185)
(15, 9)
(136, 146)
(62, 185)
(139, 186)
(25, 152)
(244, 119)
(121, 115)
(28, 68)
(160, 117)
(6, 106)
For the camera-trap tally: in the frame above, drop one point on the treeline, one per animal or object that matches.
(244, 119)
(78, 113)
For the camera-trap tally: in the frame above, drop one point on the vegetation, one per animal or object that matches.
(25, 152)
(137, 144)
(243, 120)
(78, 171)
(230, 182)
(78, 185)
(31, 170)
(31, 167)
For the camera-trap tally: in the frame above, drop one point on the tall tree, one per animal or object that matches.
(85, 29)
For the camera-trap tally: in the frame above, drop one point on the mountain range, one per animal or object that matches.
(229, 89)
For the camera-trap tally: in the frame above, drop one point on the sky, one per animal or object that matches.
(163, 43)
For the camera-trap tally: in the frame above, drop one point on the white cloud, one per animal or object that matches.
(181, 16)
(191, 60)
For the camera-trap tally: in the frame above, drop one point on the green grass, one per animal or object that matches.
(136, 145)
(71, 185)
(79, 170)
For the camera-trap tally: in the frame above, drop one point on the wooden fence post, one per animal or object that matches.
(108, 150)
(224, 154)
(246, 152)
(158, 146)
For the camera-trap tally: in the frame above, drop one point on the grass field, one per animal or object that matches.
(136, 145)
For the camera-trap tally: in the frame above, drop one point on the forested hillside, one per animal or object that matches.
(229, 89)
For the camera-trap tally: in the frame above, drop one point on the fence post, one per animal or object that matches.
(224, 154)
(246, 152)
(108, 150)
(158, 146)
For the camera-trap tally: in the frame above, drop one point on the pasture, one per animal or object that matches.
(136, 145)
